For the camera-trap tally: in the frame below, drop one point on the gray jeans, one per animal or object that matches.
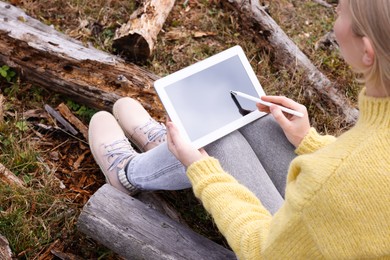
(257, 155)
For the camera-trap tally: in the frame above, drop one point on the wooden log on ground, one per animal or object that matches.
(63, 65)
(288, 54)
(97, 79)
(135, 40)
(135, 231)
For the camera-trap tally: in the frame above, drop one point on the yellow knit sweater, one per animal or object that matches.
(337, 202)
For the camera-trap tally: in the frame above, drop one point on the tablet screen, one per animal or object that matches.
(202, 104)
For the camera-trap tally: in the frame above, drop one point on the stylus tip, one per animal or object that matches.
(233, 92)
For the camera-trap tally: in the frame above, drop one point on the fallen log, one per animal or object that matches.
(135, 231)
(63, 65)
(52, 60)
(291, 57)
(97, 79)
(135, 40)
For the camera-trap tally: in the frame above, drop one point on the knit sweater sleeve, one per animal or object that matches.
(313, 141)
(239, 215)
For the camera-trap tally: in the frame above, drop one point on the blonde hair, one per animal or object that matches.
(371, 18)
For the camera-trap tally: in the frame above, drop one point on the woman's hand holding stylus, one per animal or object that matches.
(182, 149)
(295, 128)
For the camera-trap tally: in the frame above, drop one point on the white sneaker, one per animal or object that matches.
(141, 129)
(111, 150)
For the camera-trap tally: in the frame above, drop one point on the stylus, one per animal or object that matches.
(258, 100)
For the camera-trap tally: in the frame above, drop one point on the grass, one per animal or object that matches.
(25, 216)
(31, 218)
(58, 170)
(36, 219)
(42, 215)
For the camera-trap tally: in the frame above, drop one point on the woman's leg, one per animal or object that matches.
(238, 159)
(158, 169)
(271, 147)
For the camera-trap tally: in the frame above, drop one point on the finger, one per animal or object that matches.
(203, 152)
(279, 116)
(281, 100)
(170, 138)
(173, 131)
(175, 136)
(262, 108)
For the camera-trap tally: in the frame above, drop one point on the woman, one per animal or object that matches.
(337, 198)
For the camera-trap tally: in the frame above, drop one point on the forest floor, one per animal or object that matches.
(58, 168)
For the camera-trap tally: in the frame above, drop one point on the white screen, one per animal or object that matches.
(198, 99)
(203, 101)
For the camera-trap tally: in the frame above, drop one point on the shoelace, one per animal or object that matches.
(154, 131)
(121, 151)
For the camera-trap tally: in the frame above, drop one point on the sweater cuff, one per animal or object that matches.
(313, 141)
(203, 168)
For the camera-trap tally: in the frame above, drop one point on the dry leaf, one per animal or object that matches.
(176, 35)
(200, 34)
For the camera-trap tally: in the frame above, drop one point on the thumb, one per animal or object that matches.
(174, 135)
(203, 152)
(171, 134)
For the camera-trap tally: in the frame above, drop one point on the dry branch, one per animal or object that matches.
(1, 109)
(288, 54)
(135, 231)
(61, 64)
(323, 3)
(8, 177)
(50, 59)
(60, 119)
(135, 40)
(65, 112)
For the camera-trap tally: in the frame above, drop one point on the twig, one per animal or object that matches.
(1, 109)
(323, 3)
(60, 119)
(8, 177)
(65, 112)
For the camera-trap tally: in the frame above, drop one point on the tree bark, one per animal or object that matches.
(135, 231)
(135, 40)
(288, 54)
(61, 64)
(97, 79)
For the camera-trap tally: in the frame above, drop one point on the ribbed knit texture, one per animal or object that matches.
(337, 203)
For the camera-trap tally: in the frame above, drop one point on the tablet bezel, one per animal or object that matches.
(166, 81)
